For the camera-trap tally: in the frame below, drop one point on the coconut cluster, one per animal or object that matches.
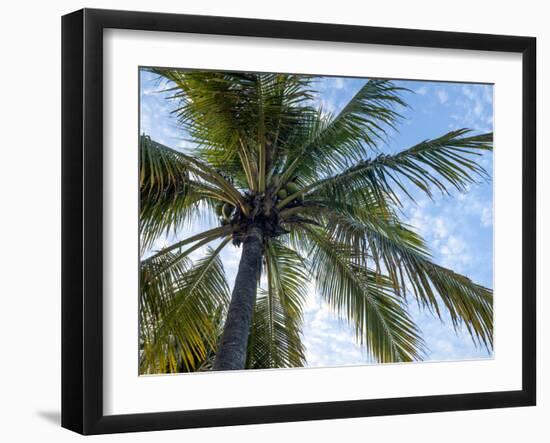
(224, 210)
(263, 210)
(289, 188)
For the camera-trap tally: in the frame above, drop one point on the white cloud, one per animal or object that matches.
(328, 341)
(453, 246)
(477, 110)
(423, 90)
(486, 217)
(312, 303)
(440, 227)
(150, 91)
(339, 83)
(488, 95)
(467, 91)
(442, 96)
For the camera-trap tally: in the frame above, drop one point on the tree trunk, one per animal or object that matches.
(232, 349)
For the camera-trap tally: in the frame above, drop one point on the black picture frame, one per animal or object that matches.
(82, 218)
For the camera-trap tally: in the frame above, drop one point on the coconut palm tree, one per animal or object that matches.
(309, 197)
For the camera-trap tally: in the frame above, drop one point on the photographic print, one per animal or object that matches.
(300, 221)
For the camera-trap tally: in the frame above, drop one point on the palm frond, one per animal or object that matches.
(178, 328)
(199, 239)
(334, 142)
(203, 170)
(275, 339)
(164, 192)
(173, 189)
(236, 120)
(365, 299)
(443, 163)
(394, 248)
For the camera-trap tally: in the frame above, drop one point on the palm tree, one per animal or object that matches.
(309, 197)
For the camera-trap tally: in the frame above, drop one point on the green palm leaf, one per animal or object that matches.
(365, 299)
(442, 163)
(390, 245)
(334, 142)
(233, 117)
(178, 304)
(175, 188)
(275, 339)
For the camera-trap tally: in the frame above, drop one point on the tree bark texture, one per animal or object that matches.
(232, 348)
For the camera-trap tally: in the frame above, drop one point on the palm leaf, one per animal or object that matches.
(365, 299)
(237, 119)
(443, 163)
(275, 339)
(334, 142)
(173, 189)
(177, 306)
(391, 246)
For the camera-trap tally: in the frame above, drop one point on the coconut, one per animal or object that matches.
(219, 209)
(282, 194)
(227, 210)
(291, 187)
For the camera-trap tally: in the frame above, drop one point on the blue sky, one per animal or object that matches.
(458, 228)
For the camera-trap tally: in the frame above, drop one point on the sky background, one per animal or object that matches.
(458, 228)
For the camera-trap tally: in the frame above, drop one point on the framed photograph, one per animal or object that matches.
(269, 221)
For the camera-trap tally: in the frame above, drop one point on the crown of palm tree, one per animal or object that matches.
(311, 198)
